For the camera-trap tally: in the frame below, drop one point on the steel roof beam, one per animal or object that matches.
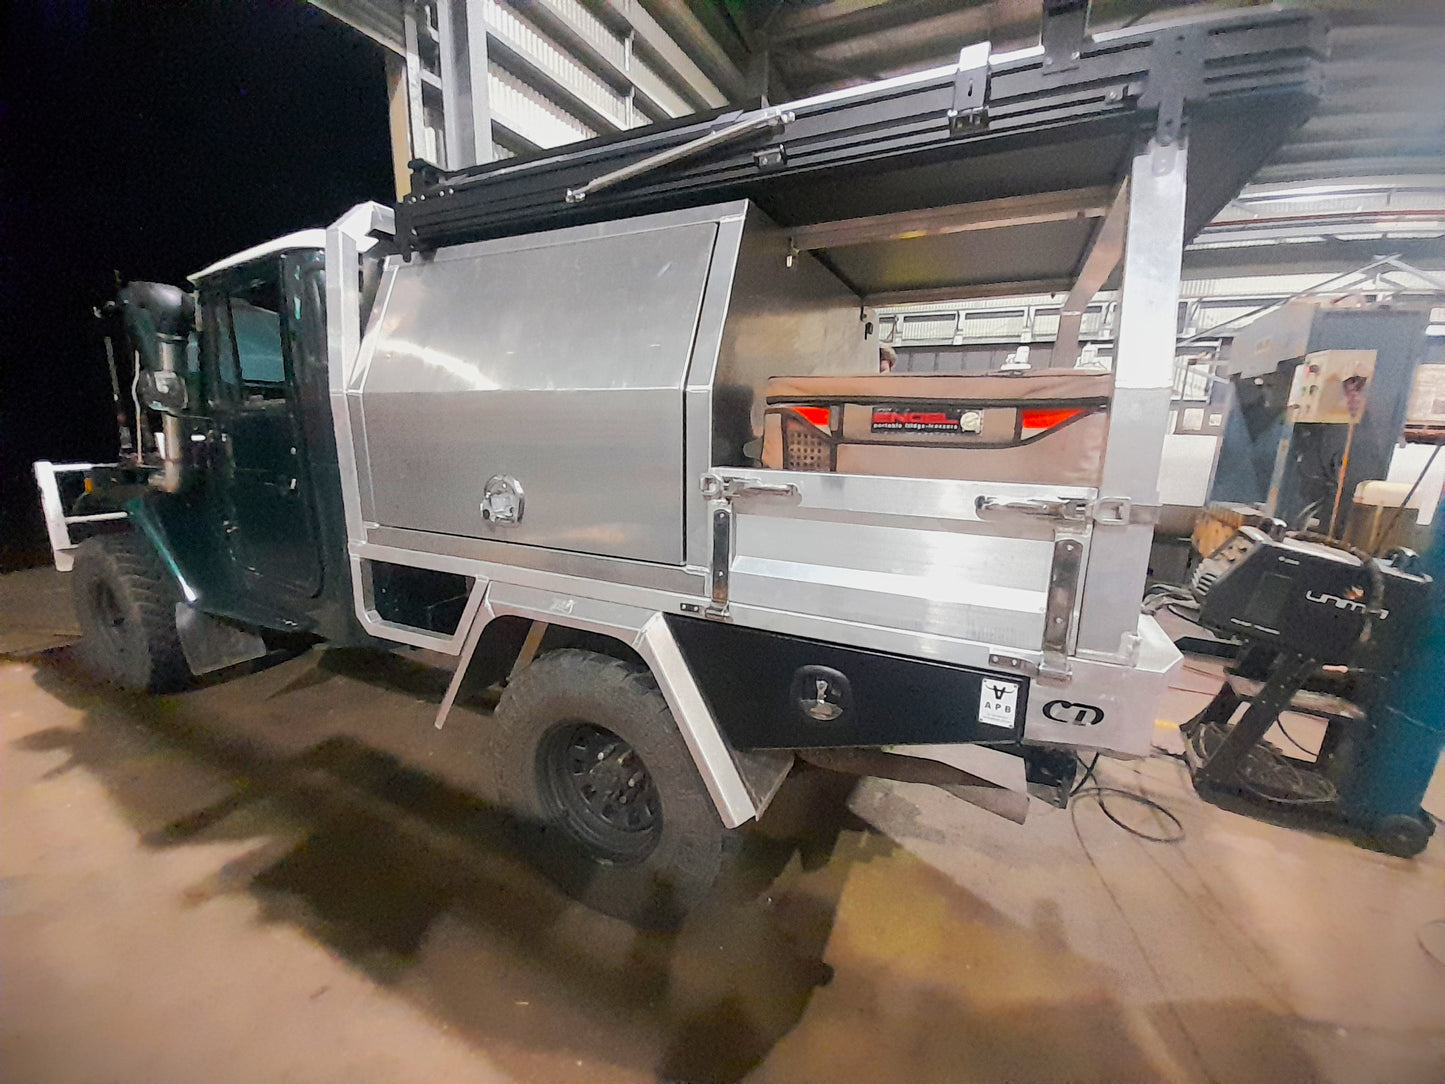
(960, 218)
(379, 20)
(650, 37)
(707, 37)
(1322, 167)
(964, 293)
(593, 43)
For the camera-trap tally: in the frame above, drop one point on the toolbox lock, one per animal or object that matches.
(503, 500)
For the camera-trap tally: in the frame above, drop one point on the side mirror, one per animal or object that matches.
(163, 391)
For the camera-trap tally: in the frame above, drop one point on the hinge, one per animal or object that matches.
(717, 488)
(721, 562)
(1068, 509)
(722, 492)
(969, 111)
(1062, 33)
(1121, 511)
(1059, 604)
(770, 157)
(1176, 74)
(1000, 661)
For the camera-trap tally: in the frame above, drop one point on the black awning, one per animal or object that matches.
(1237, 83)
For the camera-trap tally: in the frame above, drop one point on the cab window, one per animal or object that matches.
(247, 334)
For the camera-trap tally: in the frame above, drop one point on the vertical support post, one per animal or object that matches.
(416, 111)
(1105, 249)
(1281, 464)
(343, 341)
(398, 123)
(1143, 383)
(466, 118)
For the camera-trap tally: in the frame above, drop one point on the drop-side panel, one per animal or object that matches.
(558, 365)
(901, 553)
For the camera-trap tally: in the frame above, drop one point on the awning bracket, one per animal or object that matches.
(969, 111)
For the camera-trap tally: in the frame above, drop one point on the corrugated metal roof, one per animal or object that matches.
(1384, 106)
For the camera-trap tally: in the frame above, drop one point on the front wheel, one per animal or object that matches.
(126, 608)
(586, 753)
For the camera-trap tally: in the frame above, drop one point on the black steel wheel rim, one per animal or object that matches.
(107, 613)
(597, 788)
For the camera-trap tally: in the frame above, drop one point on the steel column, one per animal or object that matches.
(416, 111)
(1143, 383)
(462, 33)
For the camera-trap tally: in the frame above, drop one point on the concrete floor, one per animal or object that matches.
(283, 877)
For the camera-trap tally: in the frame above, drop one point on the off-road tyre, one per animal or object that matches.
(569, 709)
(126, 603)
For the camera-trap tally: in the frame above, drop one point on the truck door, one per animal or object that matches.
(263, 498)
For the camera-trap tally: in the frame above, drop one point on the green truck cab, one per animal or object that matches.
(229, 520)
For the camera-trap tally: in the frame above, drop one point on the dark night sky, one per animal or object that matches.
(152, 138)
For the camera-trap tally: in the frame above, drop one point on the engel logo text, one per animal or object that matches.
(911, 417)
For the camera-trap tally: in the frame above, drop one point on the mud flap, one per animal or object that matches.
(212, 644)
(938, 765)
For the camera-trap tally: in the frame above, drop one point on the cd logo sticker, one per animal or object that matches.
(1065, 711)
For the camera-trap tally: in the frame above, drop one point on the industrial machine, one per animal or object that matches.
(521, 419)
(1328, 631)
(1321, 395)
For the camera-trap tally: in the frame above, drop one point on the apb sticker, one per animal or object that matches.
(998, 703)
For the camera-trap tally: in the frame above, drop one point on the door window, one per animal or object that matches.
(246, 320)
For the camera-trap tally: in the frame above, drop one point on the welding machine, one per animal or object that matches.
(1335, 633)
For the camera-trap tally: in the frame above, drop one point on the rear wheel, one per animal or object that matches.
(587, 755)
(126, 607)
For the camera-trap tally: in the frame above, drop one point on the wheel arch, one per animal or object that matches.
(149, 531)
(740, 783)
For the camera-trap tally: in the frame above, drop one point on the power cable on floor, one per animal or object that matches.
(1088, 773)
(1290, 738)
(1201, 670)
(1097, 793)
(1099, 790)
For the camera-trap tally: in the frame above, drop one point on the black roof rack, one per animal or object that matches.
(1026, 123)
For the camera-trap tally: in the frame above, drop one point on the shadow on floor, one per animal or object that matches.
(429, 891)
